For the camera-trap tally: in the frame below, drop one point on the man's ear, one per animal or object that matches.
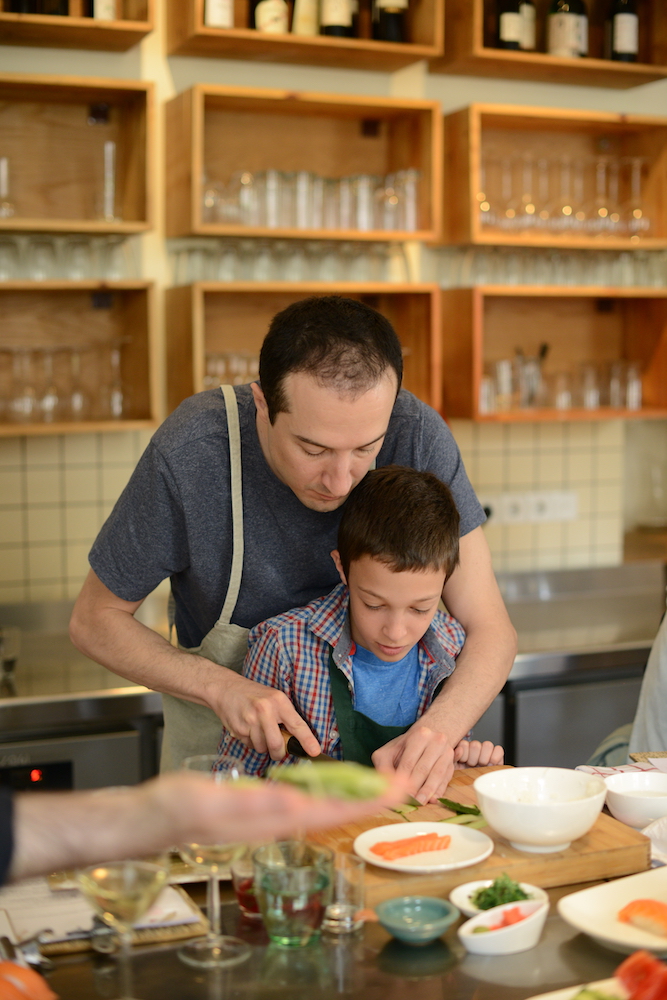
(335, 555)
(260, 401)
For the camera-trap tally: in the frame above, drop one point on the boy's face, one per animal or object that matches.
(389, 611)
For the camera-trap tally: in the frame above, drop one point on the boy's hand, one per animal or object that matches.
(422, 757)
(472, 753)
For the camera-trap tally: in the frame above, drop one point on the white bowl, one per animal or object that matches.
(540, 809)
(461, 895)
(507, 940)
(637, 797)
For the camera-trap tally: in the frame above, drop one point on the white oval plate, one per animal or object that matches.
(467, 847)
(460, 896)
(610, 986)
(594, 911)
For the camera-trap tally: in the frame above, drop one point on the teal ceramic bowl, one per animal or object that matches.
(416, 919)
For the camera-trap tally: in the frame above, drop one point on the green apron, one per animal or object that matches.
(359, 736)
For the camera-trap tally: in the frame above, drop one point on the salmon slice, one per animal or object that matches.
(648, 914)
(391, 850)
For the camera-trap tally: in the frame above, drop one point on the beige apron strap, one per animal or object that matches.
(234, 434)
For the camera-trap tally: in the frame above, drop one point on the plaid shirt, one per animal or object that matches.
(290, 652)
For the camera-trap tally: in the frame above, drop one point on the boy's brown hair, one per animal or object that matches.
(403, 517)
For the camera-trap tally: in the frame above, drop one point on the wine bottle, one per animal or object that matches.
(23, 6)
(516, 25)
(336, 18)
(219, 13)
(623, 31)
(101, 10)
(270, 16)
(59, 8)
(389, 20)
(567, 29)
(306, 18)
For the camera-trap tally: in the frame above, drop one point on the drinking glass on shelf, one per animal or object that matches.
(527, 212)
(9, 259)
(271, 212)
(633, 387)
(77, 402)
(561, 211)
(50, 403)
(346, 205)
(589, 386)
(7, 208)
(510, 202)
(486, 197)
(114, 395)
(561, 391)
(504, 385)
(212, 194)
(303, 200)
(389, 208)
(23, 405)
(216, 949)
(635, 219)
(121, 892)
(616, 385)
(331, 204)
(602, 215)
(41, 254)
(78, 259)
(365, 186)
(407, 187)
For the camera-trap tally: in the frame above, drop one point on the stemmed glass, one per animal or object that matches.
(216, 949)
(23, 405)
(49, 400)
(78, 402)
(635, 220)
(114, 395)
(121, 892)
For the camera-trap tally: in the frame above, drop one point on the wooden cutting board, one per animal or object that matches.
(608, 850)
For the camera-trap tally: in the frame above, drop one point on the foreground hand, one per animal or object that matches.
(253, 713)
(423, 758)
(208, 812)
(472, 753)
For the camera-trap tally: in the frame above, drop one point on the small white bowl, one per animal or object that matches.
(540, 809)
(508, 940)
(637, 797)
(461, 896)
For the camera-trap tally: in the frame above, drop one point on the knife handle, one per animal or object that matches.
(292, 745)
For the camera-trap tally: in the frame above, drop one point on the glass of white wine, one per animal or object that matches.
(121, 892)
(215, 950)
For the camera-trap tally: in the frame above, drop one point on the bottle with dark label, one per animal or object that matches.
(389, 20)
(622, 31)
(516, 25)
(270, 16)
(336, 18)
(567, 29)
(23, 7)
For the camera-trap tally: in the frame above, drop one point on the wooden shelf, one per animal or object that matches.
(56, 153)
(486, 324)
(90, 316)
(509, 130)
(212, 317)
(469, 50)
(188, 35)
(80, 32)
(215, 131)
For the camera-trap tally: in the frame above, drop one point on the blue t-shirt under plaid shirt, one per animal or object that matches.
(386, 691)
(290, 652)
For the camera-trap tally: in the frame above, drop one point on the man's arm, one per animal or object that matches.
(103, 627)
(425, 754)
(65, 829)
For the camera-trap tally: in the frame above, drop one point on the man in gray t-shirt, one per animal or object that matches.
(326, 411)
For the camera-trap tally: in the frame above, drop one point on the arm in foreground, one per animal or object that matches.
(425, 754)
(103, 627)
(65, 829)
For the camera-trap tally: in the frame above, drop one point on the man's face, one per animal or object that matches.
(325, 444)
(389, 611)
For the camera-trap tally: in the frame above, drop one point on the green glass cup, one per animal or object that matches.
(293, 884)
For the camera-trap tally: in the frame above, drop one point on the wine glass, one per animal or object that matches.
(78, 401)
(216, 949)
(121, 892)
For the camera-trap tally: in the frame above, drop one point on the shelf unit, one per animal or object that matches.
(56, 152)
(211, 317)
(581, 324)
(90, 316)
(511, 130)
(214, 131)
(469, 50)
(78, 32)
(188, 35)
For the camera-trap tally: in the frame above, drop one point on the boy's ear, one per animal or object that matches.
(335, 555)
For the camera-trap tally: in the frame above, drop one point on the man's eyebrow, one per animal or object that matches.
(325, 447)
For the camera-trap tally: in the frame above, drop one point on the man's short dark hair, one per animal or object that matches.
(343, 343)
(405, 518)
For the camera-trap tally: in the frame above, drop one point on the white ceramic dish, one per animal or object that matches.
(610, 986)
(508, 940)
(637, 797)
(461, 895)
(594, 911)
(540, 809)
(467, 847)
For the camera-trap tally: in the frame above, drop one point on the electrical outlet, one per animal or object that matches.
(536, 506)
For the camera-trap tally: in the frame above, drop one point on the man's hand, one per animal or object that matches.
(423, 758)
(253, 713)
(472, 753)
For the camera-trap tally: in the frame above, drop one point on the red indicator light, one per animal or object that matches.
(36, 774)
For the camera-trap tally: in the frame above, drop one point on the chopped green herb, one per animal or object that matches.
(502, 890)
(459, 808)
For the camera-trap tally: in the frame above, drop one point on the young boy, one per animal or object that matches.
(362, 664)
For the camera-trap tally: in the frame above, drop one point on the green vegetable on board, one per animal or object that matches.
(502, 890)
(459, 808)
(335, 779)
(589, 994)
